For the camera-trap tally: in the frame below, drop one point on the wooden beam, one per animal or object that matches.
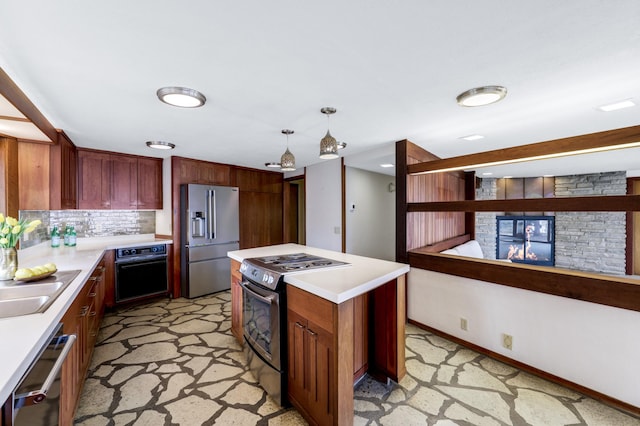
(598, 140)
(619, 292)
(18, 99)
(612, 203)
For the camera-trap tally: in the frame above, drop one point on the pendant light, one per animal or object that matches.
(287, 161)
(328, 144)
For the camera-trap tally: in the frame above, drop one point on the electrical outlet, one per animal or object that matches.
(507, 341)
(463, 324)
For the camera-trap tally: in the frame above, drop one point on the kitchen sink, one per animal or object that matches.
(23, 306)
(30, 290)
(33, 297)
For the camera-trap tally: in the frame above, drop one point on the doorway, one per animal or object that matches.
(294, 211)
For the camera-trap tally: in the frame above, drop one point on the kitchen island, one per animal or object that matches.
(24, 335)
(341, 323)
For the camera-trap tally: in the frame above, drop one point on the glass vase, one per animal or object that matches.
(8, 263)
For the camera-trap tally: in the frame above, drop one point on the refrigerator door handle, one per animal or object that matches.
(211, 217)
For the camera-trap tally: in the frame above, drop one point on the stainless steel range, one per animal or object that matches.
(265, 315)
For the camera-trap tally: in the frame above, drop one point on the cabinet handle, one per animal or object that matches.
(312, 333)
(299, 325)
(92, 313)
(92, 294)
(94, 278)
(84, 310)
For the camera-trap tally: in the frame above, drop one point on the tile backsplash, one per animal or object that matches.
(89, 223)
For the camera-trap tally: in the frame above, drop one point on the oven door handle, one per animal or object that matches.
(265, 299)
(37, 396)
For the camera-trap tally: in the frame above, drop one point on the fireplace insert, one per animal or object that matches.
(526, 239)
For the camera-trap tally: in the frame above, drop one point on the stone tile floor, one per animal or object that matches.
(175, 362)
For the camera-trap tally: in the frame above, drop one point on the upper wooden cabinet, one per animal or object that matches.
(118, 181)
(94, 186)
(203, 172)
(149, 183)
(124, 182)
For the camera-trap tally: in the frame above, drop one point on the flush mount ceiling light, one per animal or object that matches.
(472, 137)
(181, 97)
(328, 144)
(617, 105)
(480, 96)
(287, 161)
(386, 165)
(341, 145)
(160, 145)
(272, 165)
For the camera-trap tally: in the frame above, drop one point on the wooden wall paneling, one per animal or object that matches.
(33, 175)
(9, 201)
(428, 227)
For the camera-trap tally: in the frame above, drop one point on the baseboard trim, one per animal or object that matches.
(605, 399)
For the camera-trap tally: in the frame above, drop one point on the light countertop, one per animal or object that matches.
(23, 336)
(336, 284)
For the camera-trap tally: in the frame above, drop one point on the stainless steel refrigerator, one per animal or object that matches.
(210, 227)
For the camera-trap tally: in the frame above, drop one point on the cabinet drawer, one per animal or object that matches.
(311, 307)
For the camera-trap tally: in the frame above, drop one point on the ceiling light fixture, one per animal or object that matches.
(328, 144)
(341, 145)
(160, 145)
(181, 97)
(272, 165)
(617, 105)
(472, 137)
(480, 96)
(287, 161)
(386, 165)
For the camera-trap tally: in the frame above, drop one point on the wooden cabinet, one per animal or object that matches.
(33, 176)
(236, 301)
(118, 181)
(149, 183)
(63, 174)
(311, 363)
(328, 348)
(94, 186)
(203, 172)
(124, 182)
(83, 319)
(312, 327)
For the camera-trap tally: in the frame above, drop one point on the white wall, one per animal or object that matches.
(163, 217)
(324, 205)
(371, 226)
(593, 345)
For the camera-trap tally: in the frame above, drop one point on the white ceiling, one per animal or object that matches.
(392, 70)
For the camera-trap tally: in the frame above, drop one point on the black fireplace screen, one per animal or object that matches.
(526, 239)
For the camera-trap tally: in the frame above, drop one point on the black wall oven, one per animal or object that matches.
(141, 272)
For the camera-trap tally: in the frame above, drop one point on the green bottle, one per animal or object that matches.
(72, 237)
(55, 237)
(67, 230)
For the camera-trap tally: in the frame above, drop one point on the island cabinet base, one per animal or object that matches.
(330, 346)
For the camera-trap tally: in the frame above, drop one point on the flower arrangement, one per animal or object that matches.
(11, 230)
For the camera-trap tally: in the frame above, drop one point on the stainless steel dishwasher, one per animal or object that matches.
(36, 400)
